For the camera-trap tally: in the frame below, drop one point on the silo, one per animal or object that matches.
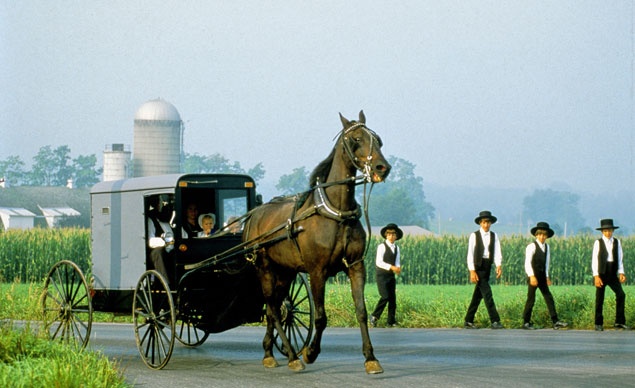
(158, 134)
(116, 162)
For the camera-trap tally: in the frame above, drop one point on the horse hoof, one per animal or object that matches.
(270, 362)
(307, 358)
(373, 367)
(296, 365)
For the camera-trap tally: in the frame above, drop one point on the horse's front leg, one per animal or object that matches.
(357, 276)
(311, 353)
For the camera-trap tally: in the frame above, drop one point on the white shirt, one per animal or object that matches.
(595, 265)
(498, 256)
(529, 254)
(152, 231)
(379, 258)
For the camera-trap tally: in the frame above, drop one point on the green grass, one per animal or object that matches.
(445, 306)
(418, 306)
(28, 359)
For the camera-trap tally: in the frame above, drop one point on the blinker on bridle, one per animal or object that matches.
(366, 167)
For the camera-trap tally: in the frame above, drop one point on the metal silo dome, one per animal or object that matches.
(158, 137)
(157, 110)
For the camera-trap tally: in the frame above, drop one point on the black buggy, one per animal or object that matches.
(210, 285)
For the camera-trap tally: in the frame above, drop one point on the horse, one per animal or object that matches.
(324, 236)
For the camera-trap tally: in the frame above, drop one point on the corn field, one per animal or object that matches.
(442, 260)
(27, 256)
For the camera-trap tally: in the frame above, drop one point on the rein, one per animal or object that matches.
(321, 206)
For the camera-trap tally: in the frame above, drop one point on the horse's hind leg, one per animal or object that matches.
(274, 302)
(311, 353)
(358, 280)
(269, 361)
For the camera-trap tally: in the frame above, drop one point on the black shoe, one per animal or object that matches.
(599, 328)
(529, 326)
(373, 321)
(469, 325)
(395, 324)
(560, 325)
(621, 326)
(497, 325)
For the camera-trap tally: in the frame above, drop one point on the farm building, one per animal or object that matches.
(55, 214)
(16, 218)
(408, 230)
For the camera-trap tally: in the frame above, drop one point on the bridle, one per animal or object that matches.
(367, 162)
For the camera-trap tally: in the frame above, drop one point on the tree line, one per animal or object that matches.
(401, 199)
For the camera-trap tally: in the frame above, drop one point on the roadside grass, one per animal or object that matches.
(418, 306)
(444, 306)
(29, 359)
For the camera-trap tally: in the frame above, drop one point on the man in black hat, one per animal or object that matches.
(608, 270)
(537, 258)
(387, 265)
(483, 250)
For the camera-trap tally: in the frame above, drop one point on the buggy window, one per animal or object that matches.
(233, 204)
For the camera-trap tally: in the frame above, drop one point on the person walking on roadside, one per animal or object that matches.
(537, 259)
(483, 250)
(387, 265)
(608, 270)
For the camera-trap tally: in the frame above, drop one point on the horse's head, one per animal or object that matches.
(363, 146)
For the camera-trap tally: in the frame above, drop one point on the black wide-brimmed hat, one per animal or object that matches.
(542, 226)
(607, 223)
(485, 214)
(394, 227)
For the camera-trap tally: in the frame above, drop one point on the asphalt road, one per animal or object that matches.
(410, 357)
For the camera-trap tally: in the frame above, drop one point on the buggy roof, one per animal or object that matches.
(158, 182)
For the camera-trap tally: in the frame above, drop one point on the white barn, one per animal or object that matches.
(54, 214)
(16, 218)
(408, 230)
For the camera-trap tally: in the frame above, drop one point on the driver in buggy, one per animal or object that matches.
(160, 234)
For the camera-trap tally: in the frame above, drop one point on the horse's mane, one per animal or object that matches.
(321, 171)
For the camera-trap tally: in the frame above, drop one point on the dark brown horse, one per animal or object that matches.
(331, 240)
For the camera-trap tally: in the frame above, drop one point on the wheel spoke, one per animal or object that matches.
(66, 304)
(153, 312)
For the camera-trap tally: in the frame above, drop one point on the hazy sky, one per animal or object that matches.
(517, 94)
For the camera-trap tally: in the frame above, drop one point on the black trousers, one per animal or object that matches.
(387, 287)
(531, 300)
(620, 299)
(159, 259)
(483, 291)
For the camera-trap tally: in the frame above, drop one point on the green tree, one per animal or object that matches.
(257, 172)
(12, 169)
(85, 172)
(401, 199)
(559, 208)
(218, 164)
(51, 167)
(296, 182)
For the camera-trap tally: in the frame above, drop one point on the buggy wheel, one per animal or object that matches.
(153, 317)
(66, 304)
(297, 313)
(187, 333)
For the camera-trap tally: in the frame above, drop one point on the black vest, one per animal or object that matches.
(389, 257)
(539, 261)
(603, 256)
(479, 248)
(158, 230)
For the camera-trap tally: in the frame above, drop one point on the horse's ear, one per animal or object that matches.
(344, 121)
(362, 117)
